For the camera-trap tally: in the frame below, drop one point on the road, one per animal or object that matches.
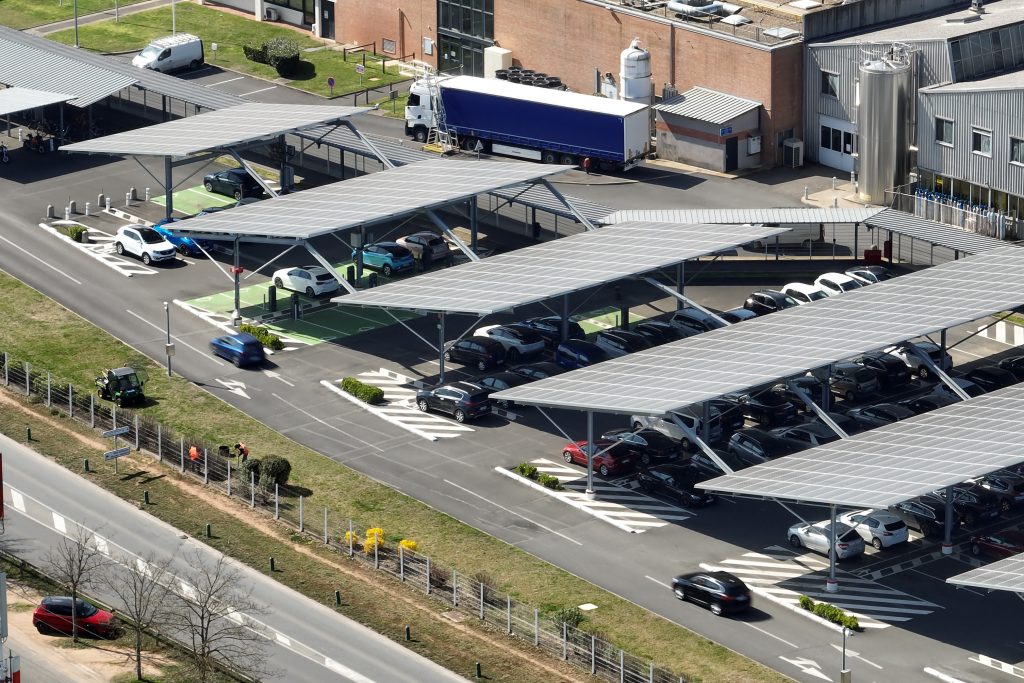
(309, 641)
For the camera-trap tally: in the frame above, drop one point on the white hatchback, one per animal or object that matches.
(835, 284)
(880, 528)
(310, 280)
(817, 537)
(804, 293)
(144, 243)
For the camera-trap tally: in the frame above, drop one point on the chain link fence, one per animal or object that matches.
(218, 468)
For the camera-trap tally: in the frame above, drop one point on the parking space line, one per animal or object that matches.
(246, 94)
(54, 269)
(230, 80)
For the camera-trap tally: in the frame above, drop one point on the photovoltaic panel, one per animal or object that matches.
(740, 216)
(1004, 575)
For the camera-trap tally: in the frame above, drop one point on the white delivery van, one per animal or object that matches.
(181, 51)
(799, 235)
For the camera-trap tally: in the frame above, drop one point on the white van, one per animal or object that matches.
(180, 51)
(799, 235)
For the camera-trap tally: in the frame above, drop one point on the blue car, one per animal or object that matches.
(186, 246)
(576, 353)
(241, 349)
(387, 257)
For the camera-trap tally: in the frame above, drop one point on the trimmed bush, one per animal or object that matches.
(830, 613)
(408, 544)
(283, 55)
(549, 481)
(255, 53)
(367, 393)
(250, 470)
(275, 470)
(572, 616)
(527, 470)
(806, 602)
(371, 543)
(265, 336)
(76, 232)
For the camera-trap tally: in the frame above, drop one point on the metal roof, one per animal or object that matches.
(960, 22)
(782, 216)
(215, 129)
(393, 149)
(896, 462)
(538, 197)
(543, 271)
(1005, 575)
(789, 342)
(710, 106)
(13, 100)
(367, 199)
(932, 231)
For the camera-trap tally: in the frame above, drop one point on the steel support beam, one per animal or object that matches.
(567, 204)
(947, 534)
(329, 266)
(248, 169)
(832, 585)
(565, 317)
(440, 348)
(451, 235)
(695, 439)
(168, 188)
(253, 272)
(812, 406)
(236, 261)
(369, 145)
(941, 374)
(590, 453)
(680, 282)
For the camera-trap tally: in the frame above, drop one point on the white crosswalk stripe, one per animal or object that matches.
(783, 576)
(101, 248)
(401, 408)
(624, 508)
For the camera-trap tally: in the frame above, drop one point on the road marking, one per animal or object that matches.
(311, 416)
(18, 501)
(246, 94)
(851, 653)
(235, 387)
(176, 339)
(348, 673)
(808, 666)
(282, 638)
(941, 676)
(230, 80)
(513, 512)
(58, 524)
(1006, 668)
(660, 583)
(1004, 332)
(276, 375)
(101, 545)
(27, 253)
(772, 635)
(101, 248)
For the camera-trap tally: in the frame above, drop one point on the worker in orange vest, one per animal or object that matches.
(193, 455)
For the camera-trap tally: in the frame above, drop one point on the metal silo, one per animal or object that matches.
(884, 115)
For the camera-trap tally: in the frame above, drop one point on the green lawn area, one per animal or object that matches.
(231, 32)
(393, 108)
(27, 13)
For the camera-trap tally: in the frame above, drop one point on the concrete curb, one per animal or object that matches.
(800, 610)
(373, 411)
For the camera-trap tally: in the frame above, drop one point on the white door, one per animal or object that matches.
(836, 143)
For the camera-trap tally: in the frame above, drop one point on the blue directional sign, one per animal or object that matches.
(113, 455)
(111, 433)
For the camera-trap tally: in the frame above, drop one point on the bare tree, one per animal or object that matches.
(215, 608)
(75, 562)
(144, 588)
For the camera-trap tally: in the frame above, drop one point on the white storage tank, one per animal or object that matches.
(884, 122)
(635, 74)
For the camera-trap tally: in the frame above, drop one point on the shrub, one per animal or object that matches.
(527, 470)
(549, 481)
(806, 603)
(371, 543)
(351, 538)
(265, 336)
(572, 616)
(250, 470)
(255, 53)
(367, 393)
(76, 232)
(283, 55)
(275, 470)
(408, 544)
(376, 532)
(830, 613)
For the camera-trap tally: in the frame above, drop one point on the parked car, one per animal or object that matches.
(146, 244)
(241, 349)
(943, 361)
(500, 381)
(610, 456)
(657, 332)
(694, 321)
(731, 412)
(767, 408)
(869, 417)
(943, 392)
(736, 315)
(808, 434)
(705, 468)
(1008, 488)
(845, 422)
(803, 293)
(1014, 364)
(721, 592)
(645, 445)
(870, 274)
(387, 257)
(577, 353)
(462, 400)
(835, 284)
(880, 528)
(923, 404)
(808, 384)
(755, 446)
(971, 502)
(518, 340)
(999, 545)
(818, 537)
(425, 242)
(233, 182)
(310, 280)
(925, 515)
(675, 482)
(688, 417)
(765, 301)
(550, 328)
(539, 370)
(991, 377)
(853, 381)
(54, 613)
(890, 371)
(617, 343)
(479, 352)
(186, 246)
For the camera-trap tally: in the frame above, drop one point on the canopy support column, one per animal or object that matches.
(440, 348)
(832, 584)
(168, 188)
(680, 282)
(941, 374)
(812, 406)
(248, 169)
(590, 454)
(473, 224)
(329, 266)
(695, 439)
(565, 317)
(947, 532)
(369, 145)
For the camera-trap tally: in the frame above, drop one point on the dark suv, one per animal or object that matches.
(768, 408)
(755, 446)
(462, 400)
(926, 515)
(768, 301)
(577, 353)
(991, 377)
(477, 351)
(890, 370)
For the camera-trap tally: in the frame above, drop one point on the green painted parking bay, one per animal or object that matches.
(192, 200)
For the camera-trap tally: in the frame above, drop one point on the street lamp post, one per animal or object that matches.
(169, 348)
(174, 20)
(76, 23)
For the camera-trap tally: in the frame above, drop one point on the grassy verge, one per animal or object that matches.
(38, 330)
(231, 32)
(27, 13)
(393, 108)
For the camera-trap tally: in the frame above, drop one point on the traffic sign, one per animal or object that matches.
(360, 69)
(722, 132)
(113, 455)
(109, 434)
(330, 81)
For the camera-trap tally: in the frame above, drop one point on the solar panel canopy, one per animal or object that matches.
(790, 342)
(782, 216)
(542, 271)
(896, 462)
(13, 100)
(369, 199)
(1005, 575)
(949, 236)
(215, 129)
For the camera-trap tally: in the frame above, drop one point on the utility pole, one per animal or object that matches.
(168, 347)
(76, 23)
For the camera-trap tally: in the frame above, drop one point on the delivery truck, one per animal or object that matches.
(528, 122)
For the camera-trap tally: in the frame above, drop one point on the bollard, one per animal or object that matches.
(20, 133)
(134, 193)
(805, 192)
(209, 531)
(147, 194)
(272, 567)
(337, 598)
(67, 213)
(478, 673)
(50, 212)
(145, 497)
(100, 199)
(74, 206)
(87, 209)
(85, 465)
(28, 433)
(833, 182)
(107, 202)
(127, 198)
(408, 633)
(835, 202)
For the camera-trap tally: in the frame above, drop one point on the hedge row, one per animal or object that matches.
(527, 470)
(280, 53)
(830, 613)
(265, 336)
(366, 393)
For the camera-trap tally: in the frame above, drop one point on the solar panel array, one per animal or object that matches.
(741, 216)
(941, 234)
(14, 100)
(215, 129)
(789, 342)
(896, 462)
(369, 199)
(1005, 575)
(543, 271)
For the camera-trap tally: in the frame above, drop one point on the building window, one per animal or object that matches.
(830, 84)
(837, 140)
(467, 17)
(981, 142)
(1016, 151)
(943, 131)
(307, 7)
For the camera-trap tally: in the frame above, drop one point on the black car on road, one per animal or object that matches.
(462, 400)
(480, 352)
(721, 592)
(675, 482)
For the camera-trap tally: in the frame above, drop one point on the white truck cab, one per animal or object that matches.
(419, 113)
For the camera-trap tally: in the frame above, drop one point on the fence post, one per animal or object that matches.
(71, 401)
(455, 588)
(593, 654)
(92, 410)
(536, 626)
(160, 441)
(277, 501)
(622, 666)
(28, 375)
(650, 675)
(252, 489)
(376, 552)
(481, 601)
(229, 478)
(182, 454)
(428, 575)
(206, 465)
(351, 536)
(136, 432)
(325, 526)
(565, 641)
(508, 614)
(49, 380)
(113, 416)
(301, 523)
(7, 371)
(401, 562)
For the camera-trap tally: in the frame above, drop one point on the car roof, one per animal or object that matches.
(802, 287)
(543, 365)
(467, 387)
(839, 277)
(385, 244)
(244, 337)
(122, 372)
(507, 376)
(880, 515)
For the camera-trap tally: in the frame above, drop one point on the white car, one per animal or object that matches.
(804, 293)
(145, 243)
(869, 275)
(670, 429)
(835, 284)
(694, 321)
(880, 528)
(310, 280)
(943, 361)
(518, 340)
(816, 537)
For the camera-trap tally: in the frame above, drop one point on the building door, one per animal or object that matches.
(837, 143)
(732, 154)
(327, 27)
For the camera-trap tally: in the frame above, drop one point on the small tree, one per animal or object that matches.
(75, 562)
(143, 589)
(275, 470)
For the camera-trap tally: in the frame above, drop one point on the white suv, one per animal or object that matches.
(835, 284)
(310, 280)
(145, 243)
(694, 321)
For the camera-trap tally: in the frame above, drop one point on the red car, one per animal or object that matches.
(1000, 544)
(53, 615)
(612, 461)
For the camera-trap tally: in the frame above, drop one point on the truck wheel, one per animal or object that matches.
(569, 160)
(419, 135)
(549, 157)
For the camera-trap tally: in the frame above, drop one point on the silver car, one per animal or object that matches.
(880, 528)
(816, 537)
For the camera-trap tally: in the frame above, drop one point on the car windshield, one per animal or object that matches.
(395, 250)
(894, 526)
(849, 536)
(150, 236)
(848, 285)
(324, 277)
(85, 609)
(127, 382)
(151, 52)
(816, 294)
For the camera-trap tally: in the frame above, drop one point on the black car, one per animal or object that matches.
(675, 482)
(845, 422)
(808, 434)
(926, 515)
(809, 385)
(768, 301)
(658, 332)
(233, 182)
(577, 353)
(550, 328)
(852, 381)
(705, 468)
(890, 370)
(731, 411)
(646, 445)
(462, 400)
(500, 381)
(479, 352)
(768, 408)
(1008, 488)
(721, 592)
(755, 446)
(971, 502)
(1014, 364)
(869, 417)
(621, 343)
(991, 377)
(539, 370)
(921, 404)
